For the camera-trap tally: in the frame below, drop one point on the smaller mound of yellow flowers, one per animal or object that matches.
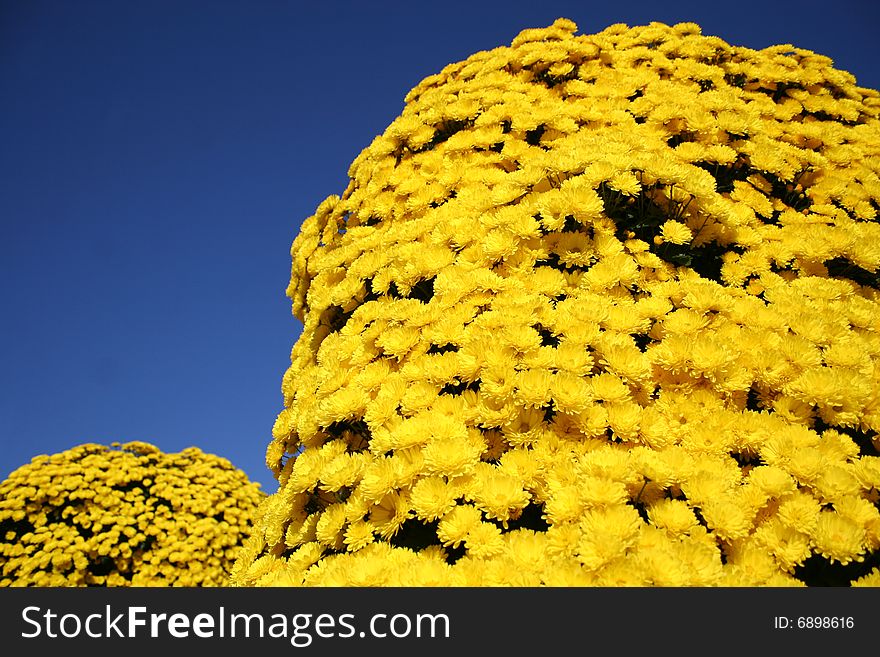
(124, 515)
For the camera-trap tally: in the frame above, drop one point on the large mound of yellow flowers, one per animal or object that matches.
(594, 310)
(124, 515)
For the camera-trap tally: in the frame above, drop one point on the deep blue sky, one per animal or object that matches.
(157, 158)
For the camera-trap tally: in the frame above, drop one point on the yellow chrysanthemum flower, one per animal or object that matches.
(676, 232)
(838, 538)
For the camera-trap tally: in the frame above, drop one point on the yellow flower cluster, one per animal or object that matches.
(124, 515)
(594, 310)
